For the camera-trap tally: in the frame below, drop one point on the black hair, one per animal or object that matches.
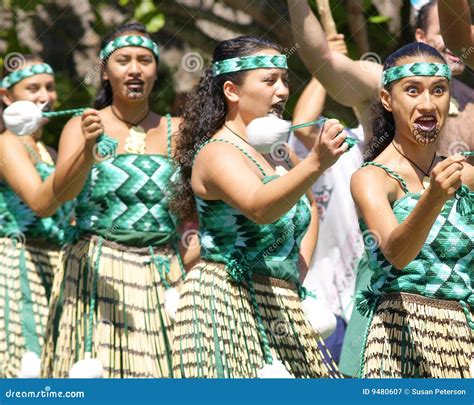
(422, 17)
(204, 113)
(105, 95)
(383, 123)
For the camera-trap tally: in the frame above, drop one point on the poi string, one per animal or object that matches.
(24, 118)
(349, 140)
(106, 146)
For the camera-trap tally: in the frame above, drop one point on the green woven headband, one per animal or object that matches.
(416, 69)
(248, 63)
(18, 75)
(129, 40)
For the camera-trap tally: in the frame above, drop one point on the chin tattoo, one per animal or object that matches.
(425, 137)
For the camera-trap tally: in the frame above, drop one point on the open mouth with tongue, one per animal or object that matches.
(277, 109)
(135, 88)
(426, 129)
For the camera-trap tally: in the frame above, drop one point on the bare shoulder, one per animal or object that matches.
(12, 144)
(370, 181)
(73, 124)
(217, 155)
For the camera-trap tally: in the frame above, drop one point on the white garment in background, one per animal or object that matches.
(331, 274)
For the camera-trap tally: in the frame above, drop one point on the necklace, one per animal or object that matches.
(426, 178)
(127, 122)
(236, 134)
(136, 140)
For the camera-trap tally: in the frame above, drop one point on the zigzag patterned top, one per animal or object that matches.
(17, 219)
(125, 199)
(269, 249)
(444, 267)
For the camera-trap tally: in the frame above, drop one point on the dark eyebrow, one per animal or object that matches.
(441, 80)
(411, 81)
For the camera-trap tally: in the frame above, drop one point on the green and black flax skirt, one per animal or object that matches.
(414, 336)
(132, 333)
(26, 274)
(216, 333)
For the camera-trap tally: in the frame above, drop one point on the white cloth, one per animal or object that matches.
(331, 274)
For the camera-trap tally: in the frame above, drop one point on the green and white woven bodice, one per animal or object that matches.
(17, 219)
(125, 199)
(444, 268)
(228, 236)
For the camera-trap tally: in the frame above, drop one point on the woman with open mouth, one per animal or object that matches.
(241, 314)
(108, 312)
(417, 214)
(32, 222)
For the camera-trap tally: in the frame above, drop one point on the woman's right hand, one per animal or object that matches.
(445, 178)
(329, 145)
(92, 127)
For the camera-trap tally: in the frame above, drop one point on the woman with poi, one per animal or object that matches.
(32, 223)
(419, 208)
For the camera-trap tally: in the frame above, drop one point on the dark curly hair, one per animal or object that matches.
(28, 58)
(204, 113)
(382, 121)
(104, 95)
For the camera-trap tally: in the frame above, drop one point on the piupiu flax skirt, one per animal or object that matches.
(216, 333)
(26, 274)
(132, 333)
(414, 336)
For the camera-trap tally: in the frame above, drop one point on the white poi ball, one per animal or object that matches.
(22, 117)
(319, 316)
(30, 365)
(267, 132)
(172, 297)
(87, 368)
(275, 370)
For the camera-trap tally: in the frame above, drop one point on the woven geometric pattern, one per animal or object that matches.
(249, 62)
(18, 75)
(129, 40)
(415, 69)
(16, 218)
(443, 268)
(269, 249)
(128, 192)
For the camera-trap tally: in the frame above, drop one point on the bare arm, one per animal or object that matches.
(349, 82)
(20, 174)
(75, 157)
(455, 22)
(309, 241)
(223, 172)
(307, 109)
(401, 243)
